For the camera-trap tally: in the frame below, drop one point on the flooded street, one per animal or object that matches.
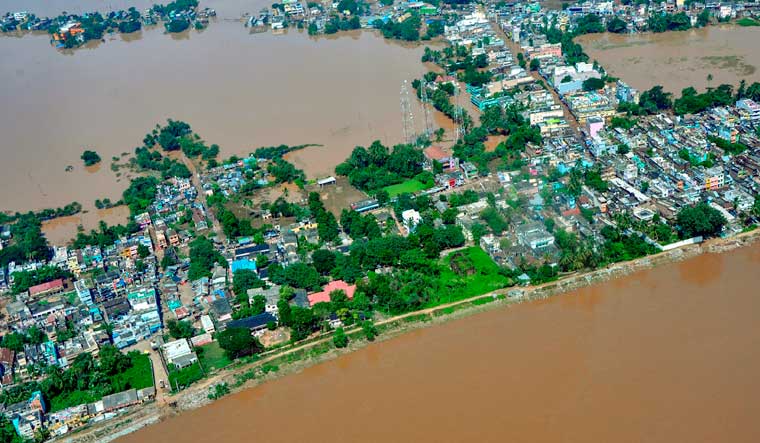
(664, 355)
(236, 89)
(677, 60)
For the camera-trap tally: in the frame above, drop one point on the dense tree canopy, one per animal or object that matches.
(90, 158)
(203, 256)
(238, 342)
(700, 219)
(616, 25)
(140, 193)
(376, 167)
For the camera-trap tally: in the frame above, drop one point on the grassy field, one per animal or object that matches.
(212, 356)
(410, 186)
(182, 378)
(746, 21)
(140, 375)
(481, 275)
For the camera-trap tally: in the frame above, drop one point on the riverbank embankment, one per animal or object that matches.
(295, 359)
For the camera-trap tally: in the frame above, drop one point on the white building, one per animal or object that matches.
(179, 353)
(411, 219)
(207, 324)
(749, 106)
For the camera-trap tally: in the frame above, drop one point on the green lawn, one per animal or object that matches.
(212, 356)
(410, 186)
(140, 375)
(182, 378)
(70, 399)
(483, 277)
(746, 21)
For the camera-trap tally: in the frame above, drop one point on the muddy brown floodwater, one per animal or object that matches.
(664, 355)
(677, 60)
(236, 89)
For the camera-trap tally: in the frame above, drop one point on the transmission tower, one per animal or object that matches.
(458, 118)
(407, 117)
(426, 109)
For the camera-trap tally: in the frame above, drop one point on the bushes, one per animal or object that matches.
(691, 102)
(408, 30)
(238, 342)
(90, 158)
(203, 256)
(140, 194)
(701, 219)
(375, 168)
(340, 340)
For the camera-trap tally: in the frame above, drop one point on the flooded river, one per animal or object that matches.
(236, 89)
(664, 355)
(677, 60)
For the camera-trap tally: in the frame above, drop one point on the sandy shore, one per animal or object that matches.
(197, 395)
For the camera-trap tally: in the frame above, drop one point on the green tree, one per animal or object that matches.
(203, 256)
(297, 275)
(655, 100)
(238, 342)
(167, 260)
(262, 261)
(8, 432)
(245, 279)
(478, 231)
(324, 261)
(382, 197)
(180, 329)
(616, 25)
(113, 361)
(302, 323)
(340, 339)
(143, 251)
(700, 220)
(593, 84)
(703, 18)
(283, 310)
(35, 335)
(14, 341)
(90, 158)
(369, 329)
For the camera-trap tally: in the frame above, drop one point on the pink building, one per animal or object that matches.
(594, 124)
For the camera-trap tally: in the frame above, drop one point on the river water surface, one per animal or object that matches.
(236, 89)
(665, 355)
(677, 60)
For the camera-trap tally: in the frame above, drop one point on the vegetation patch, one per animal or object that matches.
(212, 356)
(182, 378)
(410, 187)
(482, 275)
(746, 21)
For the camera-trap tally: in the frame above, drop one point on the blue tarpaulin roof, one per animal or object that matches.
(243, 263)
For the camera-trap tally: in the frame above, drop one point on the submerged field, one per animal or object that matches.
(677, 60)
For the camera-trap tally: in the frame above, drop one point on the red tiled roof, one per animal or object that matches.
(6, 356)
(435, 153)
(324, 295)
(181, 312)
(46, 287)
